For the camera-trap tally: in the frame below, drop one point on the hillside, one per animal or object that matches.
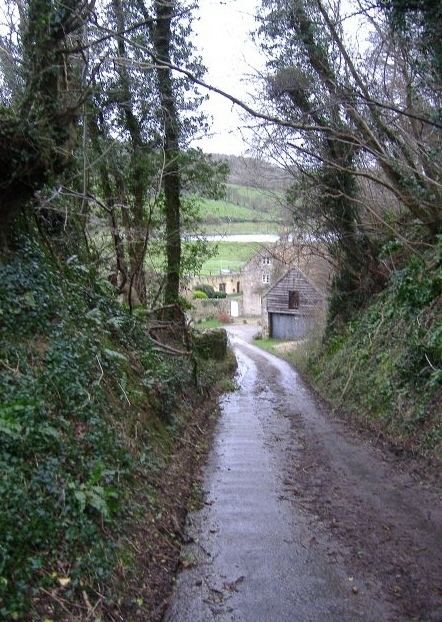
(100, 436)
(255, 173)
(386, 365)
(254, 201)
(244, 210)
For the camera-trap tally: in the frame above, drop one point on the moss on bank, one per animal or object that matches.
(385, 367)
(90, 414)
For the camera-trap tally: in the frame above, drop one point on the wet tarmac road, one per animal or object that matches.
(252, 555)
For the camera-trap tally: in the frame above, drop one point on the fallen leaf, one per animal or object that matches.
(64, 581)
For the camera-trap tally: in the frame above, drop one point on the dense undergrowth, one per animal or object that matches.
(385, 367)
(88, 412)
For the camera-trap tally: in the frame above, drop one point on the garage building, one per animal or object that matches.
(291, 306)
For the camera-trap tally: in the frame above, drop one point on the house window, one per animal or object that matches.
(265, 277)
(293, 300)
(238, 286)
(222, 287)
(266, 261)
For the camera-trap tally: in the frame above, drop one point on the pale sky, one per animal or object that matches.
(229, 54)
(223, 39)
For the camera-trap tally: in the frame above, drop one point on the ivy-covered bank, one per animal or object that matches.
(384, 368)
(90, 415)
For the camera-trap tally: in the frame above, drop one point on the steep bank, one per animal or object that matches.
(94, 426)
(384, 369)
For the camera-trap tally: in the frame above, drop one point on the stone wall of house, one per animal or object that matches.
(264, 318)
(258, 275)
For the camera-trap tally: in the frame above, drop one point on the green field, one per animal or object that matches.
(211, 210)
(249, 194)
(245, 210)
(231, 256)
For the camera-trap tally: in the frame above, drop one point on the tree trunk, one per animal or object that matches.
(171, 178)
(136, 220)
(37, 140)
(109, 199)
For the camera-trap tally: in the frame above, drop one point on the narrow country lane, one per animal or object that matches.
(302, 521)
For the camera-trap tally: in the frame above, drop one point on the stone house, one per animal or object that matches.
(290, 308)
(268, 265)
(259, 273)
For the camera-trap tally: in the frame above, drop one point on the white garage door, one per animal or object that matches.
(284, 326)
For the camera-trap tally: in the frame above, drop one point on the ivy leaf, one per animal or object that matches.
(80, 496)
(113, 355)
(28, 300)
(13, 429)
(48, 430)
(97, 500)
